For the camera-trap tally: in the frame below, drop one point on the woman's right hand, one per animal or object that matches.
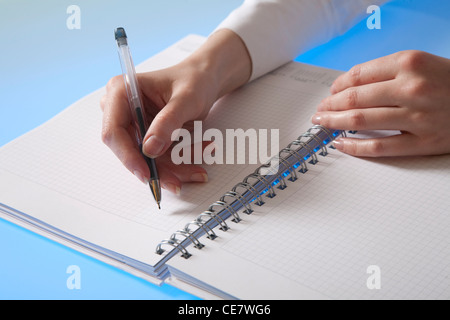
(173, 97)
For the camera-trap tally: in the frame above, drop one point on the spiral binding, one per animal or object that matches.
(251, 190)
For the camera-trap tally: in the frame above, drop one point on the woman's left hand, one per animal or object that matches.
(407, 91)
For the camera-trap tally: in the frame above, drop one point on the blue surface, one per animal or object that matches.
(405, 25)
(45, 67)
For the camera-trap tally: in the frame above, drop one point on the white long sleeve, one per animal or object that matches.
(276, 31)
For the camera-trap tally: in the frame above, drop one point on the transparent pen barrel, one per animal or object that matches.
(133, 92)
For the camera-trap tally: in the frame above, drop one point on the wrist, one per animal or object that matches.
(224, 60)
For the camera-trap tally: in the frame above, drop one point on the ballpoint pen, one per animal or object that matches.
(134, 98)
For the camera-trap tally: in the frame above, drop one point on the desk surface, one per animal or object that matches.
(46, 67)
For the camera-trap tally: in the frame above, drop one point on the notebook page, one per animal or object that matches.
(320, 237)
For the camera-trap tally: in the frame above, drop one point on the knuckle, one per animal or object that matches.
(114, 83)
(412, 60)
(375, 148)
(355, 75)
(187, 91)
(416, 87)
(352, 97)
(107, 135)
(357, 120)
(419, 117)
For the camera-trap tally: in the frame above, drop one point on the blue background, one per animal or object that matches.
(45, 67)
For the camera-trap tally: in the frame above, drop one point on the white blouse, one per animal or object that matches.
(276, 31)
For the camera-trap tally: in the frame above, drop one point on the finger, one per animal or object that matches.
(404, 144)
(187, 172)
(168, 179)
(366, 96)
(116, 135)
(103, 102)
(172, 176)
(123, 146)
(158, 137)
(383, 118)
(381, 69)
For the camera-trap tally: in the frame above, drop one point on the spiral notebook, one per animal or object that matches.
(312, 226)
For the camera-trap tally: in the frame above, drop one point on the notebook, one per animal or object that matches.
(323, 225)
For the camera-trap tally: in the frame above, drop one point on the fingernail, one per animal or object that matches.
(172, 188)
(339, 144)
(199, 177)
(153, 146)
(140, 176)
(315, 119)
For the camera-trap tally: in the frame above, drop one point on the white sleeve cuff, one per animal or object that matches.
(276, 31)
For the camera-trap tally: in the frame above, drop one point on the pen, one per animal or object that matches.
(139, 119)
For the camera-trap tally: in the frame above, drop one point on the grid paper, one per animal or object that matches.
(357, 213)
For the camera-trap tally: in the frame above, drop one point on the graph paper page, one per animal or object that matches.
(349, 228)
(358, 229)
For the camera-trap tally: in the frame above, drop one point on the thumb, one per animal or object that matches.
(158, 137)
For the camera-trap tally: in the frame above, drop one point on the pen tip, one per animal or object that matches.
(159, 206)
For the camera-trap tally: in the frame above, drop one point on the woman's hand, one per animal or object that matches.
(170, 105)
(173, 97)
(407, 91)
